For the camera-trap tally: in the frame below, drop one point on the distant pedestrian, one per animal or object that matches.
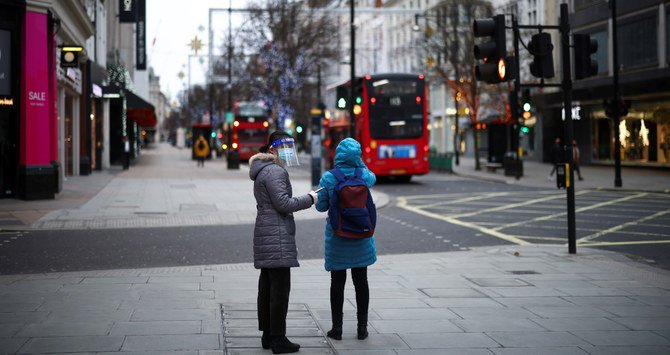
(201, 149)
(575, 159)
(344, 253)
(275, 251)
(126, 153)
(556, 155)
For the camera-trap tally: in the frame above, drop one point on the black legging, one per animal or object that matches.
(274, 287)
(337, 280)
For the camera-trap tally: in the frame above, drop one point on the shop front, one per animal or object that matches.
(10, 50)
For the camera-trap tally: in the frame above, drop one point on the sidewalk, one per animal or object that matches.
(595, 177)
(482, 301)
(164, 188)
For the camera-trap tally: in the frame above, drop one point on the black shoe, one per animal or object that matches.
(362, 332)
(282, 345)
(266, 340)
(335, 333)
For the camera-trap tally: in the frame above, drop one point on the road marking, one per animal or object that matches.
(467, 199)
(621, 226)
(402, 203)
(544, 218)
(511, 206)
(640, 242)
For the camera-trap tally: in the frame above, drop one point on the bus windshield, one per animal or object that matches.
(396, 113)
(246, 135)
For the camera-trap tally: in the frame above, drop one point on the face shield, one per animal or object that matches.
(286, 151)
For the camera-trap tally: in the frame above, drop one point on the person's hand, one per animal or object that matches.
(315, 196)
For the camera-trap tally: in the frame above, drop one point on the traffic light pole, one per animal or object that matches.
(617, 112)
(352, 59)
(517, 87)
(567, 107)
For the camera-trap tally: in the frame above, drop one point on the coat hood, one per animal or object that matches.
(260, 161)
(348, 153)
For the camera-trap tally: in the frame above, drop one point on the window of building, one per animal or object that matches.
(601, 55)
(638, 44)
(667, 37)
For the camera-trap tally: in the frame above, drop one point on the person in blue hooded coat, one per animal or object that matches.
(343, 253)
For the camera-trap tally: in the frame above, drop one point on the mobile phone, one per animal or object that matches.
(319, 189)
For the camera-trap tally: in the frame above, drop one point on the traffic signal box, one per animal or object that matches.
(342, 97)
(616, 109)
(585, 66)
(497, 66)
(540, 47)
(563, 175)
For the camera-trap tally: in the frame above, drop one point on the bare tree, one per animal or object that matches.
(289, 40)
(448, 43)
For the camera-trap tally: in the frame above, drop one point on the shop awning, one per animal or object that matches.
(139, 110)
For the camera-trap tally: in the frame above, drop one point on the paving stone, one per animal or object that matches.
(599, 301)
(11, 345)
(175, 295)
(247, 322)
(260, 351)
(514, 302)
(182, 286)
(233, 314)
(653, 300)
(593, 291)
(482, 312)
(89, 315)
(623, 338)
(577, 324)
(10, 329)
(72, 344)
(9, 307)
(157, 328)
(56, 329)
(644, 323)
(140, 315)
(116, 280)
(191, 352)
(398, 303)
(565, 350)
(536, 339)
(453, 292)
(23, 317)
(499, 282)
(628, 350)
(414, 326)
(416, 313)
(180, 279)
(571, 312)
(648, 291)
(448, 340)
(373, 342)
(169, 304)
(525, 292)
(253, 332)
(638, 311)
(496, 324)
(366, 352)
(171, 342)
(255, 342)
(462, 302)
(444, 352)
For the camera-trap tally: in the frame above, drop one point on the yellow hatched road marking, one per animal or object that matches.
(467, 199)
(621, 226)
(402, 203)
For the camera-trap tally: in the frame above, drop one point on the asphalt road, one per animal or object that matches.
(431, 214)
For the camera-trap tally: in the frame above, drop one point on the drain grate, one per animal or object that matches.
(241, 336)
(523, 272)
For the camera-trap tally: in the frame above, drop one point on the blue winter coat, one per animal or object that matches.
(343, 253)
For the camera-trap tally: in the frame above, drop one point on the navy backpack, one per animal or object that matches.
(352, 213)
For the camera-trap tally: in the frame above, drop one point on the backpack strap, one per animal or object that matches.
(358, 173)
(338, 174)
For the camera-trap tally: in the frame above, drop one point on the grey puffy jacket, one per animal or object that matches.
(274, 232)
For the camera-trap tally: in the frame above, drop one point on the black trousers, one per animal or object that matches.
(274, 287)
(338, 279)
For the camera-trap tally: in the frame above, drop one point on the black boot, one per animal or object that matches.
(362, 332)
(336, 332)
(281, 345)
(266, 340)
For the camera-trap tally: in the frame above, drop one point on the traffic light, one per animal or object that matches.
(526, 105)
(497, 67)
(342, 97)
(585, 66)
(540, 47)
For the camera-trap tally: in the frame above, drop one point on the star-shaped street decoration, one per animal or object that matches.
(195, 44)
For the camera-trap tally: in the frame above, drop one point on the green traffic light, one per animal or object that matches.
(525, 129)
(341, 103)
(526, 106)
(298, 129)
(213, 134)
(359, 100)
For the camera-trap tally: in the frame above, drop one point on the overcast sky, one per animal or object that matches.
(171, 25)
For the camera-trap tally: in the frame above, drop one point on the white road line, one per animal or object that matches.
(467, 199)
(621, 226)
(402, 203)
(641, 242)
(512, 206)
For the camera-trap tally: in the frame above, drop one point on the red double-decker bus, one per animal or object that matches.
(391, 117)
(249, 130)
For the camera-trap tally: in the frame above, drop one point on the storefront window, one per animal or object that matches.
(638, 43)
(667, 37)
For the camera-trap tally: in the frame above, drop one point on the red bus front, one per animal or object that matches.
(250, 129)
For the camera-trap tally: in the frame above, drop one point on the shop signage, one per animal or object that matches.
(576, 110)
(127, 11)
(96, 90)
(140, 36)
(5, 63)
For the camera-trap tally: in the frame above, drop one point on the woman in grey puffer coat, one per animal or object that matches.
(275, 251)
